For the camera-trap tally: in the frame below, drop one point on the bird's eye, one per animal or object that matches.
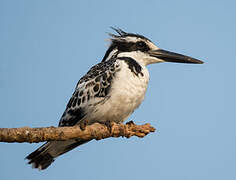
(141, 44)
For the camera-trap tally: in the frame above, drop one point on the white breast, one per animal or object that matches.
(127, 93)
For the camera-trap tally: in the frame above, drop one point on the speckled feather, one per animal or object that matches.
(92, 89)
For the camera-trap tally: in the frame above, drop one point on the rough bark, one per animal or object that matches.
(94, 131)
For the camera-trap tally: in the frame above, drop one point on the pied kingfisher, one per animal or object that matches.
(110, 91)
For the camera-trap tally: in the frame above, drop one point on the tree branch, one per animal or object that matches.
(94, 131)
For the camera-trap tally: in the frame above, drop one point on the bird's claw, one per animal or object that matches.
(109, 125)
(83, 125)
(130, 123)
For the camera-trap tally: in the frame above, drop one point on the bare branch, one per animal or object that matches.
(94, 131)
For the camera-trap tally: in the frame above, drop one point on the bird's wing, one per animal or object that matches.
(92, 89)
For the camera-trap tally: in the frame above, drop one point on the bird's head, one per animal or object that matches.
(142, 50)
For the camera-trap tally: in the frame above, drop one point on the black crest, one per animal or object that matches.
(124, 34)
(119, 42)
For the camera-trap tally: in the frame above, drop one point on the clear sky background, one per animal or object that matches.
(46, 46)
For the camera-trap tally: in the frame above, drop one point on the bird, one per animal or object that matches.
(110, 91)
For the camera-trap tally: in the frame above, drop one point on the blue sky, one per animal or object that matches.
(46, 46)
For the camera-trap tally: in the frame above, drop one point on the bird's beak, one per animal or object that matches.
(168, 56)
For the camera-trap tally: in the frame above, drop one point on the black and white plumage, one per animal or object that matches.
(110, 91)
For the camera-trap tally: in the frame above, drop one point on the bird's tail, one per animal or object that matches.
(44, 156)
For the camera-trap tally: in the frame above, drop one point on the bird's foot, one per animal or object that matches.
(130, 123)
(83, 124)
(109, 125)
